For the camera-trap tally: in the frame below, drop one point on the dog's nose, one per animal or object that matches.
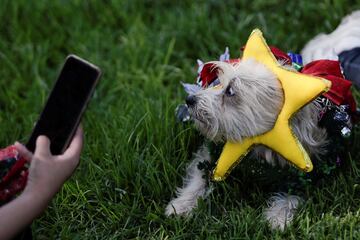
(190, 100)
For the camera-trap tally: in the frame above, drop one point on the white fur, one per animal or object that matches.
(194, 186)
(281, 210)
(328, 46)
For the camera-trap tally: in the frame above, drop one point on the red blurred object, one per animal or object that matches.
(13, 173)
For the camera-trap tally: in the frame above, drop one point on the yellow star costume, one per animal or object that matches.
(299, 89)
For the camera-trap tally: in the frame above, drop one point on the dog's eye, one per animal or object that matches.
(229, 91)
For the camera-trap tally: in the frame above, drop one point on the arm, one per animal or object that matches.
(47, 174)
(20, 212)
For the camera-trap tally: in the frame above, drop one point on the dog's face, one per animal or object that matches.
(246, 105)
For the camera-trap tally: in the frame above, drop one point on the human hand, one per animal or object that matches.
(47, 172)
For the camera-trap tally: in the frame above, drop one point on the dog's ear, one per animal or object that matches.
(225, 56)
(191, 88)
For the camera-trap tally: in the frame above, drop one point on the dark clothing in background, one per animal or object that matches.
(350, 62)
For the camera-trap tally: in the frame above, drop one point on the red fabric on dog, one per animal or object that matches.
(339, 92)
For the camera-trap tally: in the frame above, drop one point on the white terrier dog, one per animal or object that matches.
(247, 105)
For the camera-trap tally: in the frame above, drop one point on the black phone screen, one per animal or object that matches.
(65, 105)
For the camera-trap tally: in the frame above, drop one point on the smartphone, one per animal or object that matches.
(66, 104)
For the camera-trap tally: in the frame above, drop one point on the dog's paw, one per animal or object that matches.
(179, 207)
(281, 210)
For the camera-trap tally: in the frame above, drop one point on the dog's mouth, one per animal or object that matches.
(194, 115)
(199, 121)
(184, 113)
(202, 122)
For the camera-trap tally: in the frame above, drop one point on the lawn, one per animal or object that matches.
(136, 153)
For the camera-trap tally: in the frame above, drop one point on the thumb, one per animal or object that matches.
(76, 144)
(42, 146)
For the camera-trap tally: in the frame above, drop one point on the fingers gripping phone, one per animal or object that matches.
(66, 104)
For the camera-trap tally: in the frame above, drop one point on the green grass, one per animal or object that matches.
(135, 152)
